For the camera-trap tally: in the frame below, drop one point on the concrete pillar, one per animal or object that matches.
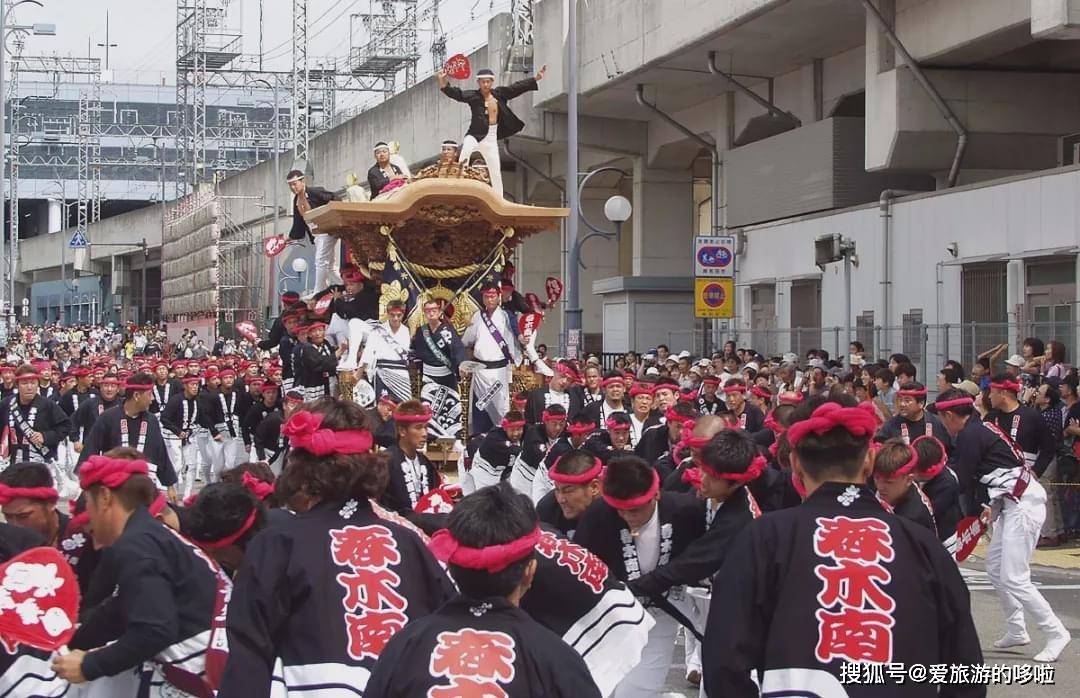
(663, 221)
(1055, 19)
(783, 315)
(1015, 295)
(55, 215)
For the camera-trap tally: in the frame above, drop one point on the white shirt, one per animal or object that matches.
(647, 542)
(485, 348)
(637, 428)
(378, 345)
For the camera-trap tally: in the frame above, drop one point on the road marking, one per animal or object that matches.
(1041, 587)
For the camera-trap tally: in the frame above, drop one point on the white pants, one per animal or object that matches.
(185, 461)
(1015, 532)
(489, 397)
(233, 452)
(646, 680)
(355, 333)
(488, 147)
(327, 261)
(211, 459)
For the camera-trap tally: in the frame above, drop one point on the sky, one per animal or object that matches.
(144, 31)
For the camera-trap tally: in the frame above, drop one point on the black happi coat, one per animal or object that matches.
(166, 591)
(599, 444)
(653, 444)
(508, 123)
(1026, 427)
(48, 419)
(600, 530)
(944, 494)
(446, 340)
(752, 420)
(549, 512)
(438, 656)
(87, 414)
(254, 416)
(363, 306)
(534, 449)
(496, 454)
(223, 416)
(397, 496)
(705, 556)
(317, 364)
(673, 481)
(916, 507)
(107, 433)
(986, 465)
(172, 415)
(384, 430)
(267, 436)
(539, 399)
(714, 407)
(50, 391)
(316, 196)
(575, 596)
(71, 400)
(597, 411)
(273, 339)
(377, 179)
(769, 619)
(289, 605)
(162, 393)
(908, 430)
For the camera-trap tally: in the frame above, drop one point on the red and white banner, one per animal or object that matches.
(528, 324)
(323, 304)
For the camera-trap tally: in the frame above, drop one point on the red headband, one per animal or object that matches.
(552, 417)
(639, 389)
(111, 472)
(921, 392)
(304, 430)
(507, 424)
(790, 398)
(761, 392)
(692, 477)
(289, 398)
(580, 428)
(579, 479)
(612, 425)
(728, 390)
(48, 494)
(935, 469)
(27, 377)
(710, 380)
(635, 502)
(566, 370)
(158, 505)
(691, 441)
(672, 416)
(612, 381)
(492, 558)
(413, 418)
(752, 472)
(232, 537)
(259, 488)
(135, 387)
(1011, 386)
(905, 469)
(773, 425)
(387, 401)
(857, 421)
(958, 402)
(190, 379)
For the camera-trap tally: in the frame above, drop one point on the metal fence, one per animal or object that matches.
(927, 346)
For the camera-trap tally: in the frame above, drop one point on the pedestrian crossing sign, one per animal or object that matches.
(78, 241)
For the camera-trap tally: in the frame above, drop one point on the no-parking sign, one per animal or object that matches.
(714, 298)
(714, 256)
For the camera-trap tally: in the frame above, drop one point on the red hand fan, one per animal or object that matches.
(554, 289)
(247, 330)
(273, 246)
(457, 67)
(39, 600)
(968, 533)
(323, 304)
(528, 324)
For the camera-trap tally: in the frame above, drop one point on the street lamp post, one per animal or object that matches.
(275, 302)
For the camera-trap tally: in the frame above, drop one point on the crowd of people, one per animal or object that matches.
(793, 518)
(262, 518)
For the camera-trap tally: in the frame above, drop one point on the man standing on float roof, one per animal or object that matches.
(491, 120)
(327, 253)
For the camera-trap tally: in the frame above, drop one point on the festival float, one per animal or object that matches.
(441, 236)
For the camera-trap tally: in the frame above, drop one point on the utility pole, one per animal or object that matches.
(107, 45)
(145, 260)
(573, 277)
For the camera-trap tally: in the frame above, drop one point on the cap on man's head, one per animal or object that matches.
(684, 354)
(1015, 360)
(485, 73)
(969, 387)
(294, 176)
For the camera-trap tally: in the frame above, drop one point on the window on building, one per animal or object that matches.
(864, 332)
(171, 117)
(129, 116)
(913, 336)
(806, 316)
(983, 309)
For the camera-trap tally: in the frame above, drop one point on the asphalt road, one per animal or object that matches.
(1062, 590)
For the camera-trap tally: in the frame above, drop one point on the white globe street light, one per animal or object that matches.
(617, 209)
